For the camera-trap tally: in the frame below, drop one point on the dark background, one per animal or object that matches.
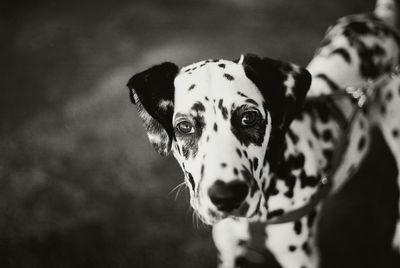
(80, 186)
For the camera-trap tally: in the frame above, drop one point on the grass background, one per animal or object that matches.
(80, 186)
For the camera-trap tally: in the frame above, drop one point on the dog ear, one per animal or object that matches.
(283, 85)
(153, 93)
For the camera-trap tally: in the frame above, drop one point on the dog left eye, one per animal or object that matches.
(249, 118)
(185, 127)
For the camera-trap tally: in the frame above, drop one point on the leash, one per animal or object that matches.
(362, 96)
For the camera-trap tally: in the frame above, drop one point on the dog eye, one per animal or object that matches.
(249, 118)
(185, 127)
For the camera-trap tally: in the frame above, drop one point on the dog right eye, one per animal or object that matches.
(249, 118)
(185, 127)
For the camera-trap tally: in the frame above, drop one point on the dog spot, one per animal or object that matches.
(296, 161)
(202, 170)
(342, 52)
(275, 213)
(389, 96)
(244, 208)
(235, 171)
(253, 187)
(223, 109)
(290, 182)
(263, 183)
(297, 227)
(323, 112)
(382, 109)
(315, 131)
(191, 181)
(208, 138)
(361, 143)
(242, 94)
(395, 133)
(310, 181)
(293, 136)
(292, 248)
(272, 190)
(245, 153)
(310, 144)
(327, 135)
(251, 101)
(192, 87)
(331, 84)
(311, 218)
(239, 152)
(246, 174)
(242, 242)
(206, 98)
(215, 127)
(223, 164)
(222, 65)
(178, 149)
(228, 76)
(369, 57)
(198, 107)
(255, 163)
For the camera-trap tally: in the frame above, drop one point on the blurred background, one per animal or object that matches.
(80, 186)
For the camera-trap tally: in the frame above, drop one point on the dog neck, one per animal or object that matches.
(293, 174)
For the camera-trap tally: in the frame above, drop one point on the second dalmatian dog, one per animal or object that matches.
(253, 149)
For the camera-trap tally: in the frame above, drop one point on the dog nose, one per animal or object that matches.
(228, 196)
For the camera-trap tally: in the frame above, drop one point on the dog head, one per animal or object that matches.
(224, 122)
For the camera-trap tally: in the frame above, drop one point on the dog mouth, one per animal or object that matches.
(214, 216)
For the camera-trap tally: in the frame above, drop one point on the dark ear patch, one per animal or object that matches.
(153, 93)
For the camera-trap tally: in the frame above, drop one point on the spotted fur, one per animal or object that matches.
(253, 149)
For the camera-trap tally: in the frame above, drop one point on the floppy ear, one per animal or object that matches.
(153, 93)
(283, 86)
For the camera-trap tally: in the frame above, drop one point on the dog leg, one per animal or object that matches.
(293, 244)
(231, 237)
(388, 119)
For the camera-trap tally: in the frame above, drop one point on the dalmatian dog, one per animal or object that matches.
(253, 149)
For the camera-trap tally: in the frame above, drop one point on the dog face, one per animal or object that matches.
(223, 122)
